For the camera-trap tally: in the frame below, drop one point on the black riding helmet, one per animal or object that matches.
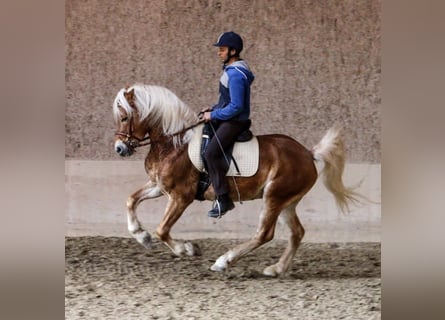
(232, 40)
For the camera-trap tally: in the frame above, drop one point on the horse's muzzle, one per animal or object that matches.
(122, 149)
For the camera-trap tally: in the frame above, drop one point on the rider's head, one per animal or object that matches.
(234, 44)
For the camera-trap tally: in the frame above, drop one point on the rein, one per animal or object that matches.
(136, 144)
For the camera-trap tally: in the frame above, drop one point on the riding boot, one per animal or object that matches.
(222, 205)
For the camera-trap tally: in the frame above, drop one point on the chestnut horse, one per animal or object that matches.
(285, 174)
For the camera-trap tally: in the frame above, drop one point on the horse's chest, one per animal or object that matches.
(159, 172)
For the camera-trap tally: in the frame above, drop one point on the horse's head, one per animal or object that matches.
(143, 110)
(130, 131)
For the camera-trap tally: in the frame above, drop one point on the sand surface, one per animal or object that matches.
(117, 278)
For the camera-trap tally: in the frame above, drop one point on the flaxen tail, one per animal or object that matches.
(331, 151)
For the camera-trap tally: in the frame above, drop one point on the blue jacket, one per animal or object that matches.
(234, 93)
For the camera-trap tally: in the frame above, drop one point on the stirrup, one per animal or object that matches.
(212, 212)
(218, 211)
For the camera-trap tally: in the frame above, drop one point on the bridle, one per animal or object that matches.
(134, 142)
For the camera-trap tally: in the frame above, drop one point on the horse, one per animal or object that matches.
(154, 115)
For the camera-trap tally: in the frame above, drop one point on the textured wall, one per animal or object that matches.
(316, 63)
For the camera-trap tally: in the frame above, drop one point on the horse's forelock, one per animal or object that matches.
(121, 101)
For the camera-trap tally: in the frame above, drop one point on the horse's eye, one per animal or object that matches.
(125, 119)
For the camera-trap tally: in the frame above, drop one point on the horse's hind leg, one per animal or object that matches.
(265, 233)
(297, 232)
(149, 191)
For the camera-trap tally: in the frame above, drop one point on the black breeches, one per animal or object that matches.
(217, 163)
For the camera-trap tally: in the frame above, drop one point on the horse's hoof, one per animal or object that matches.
(219, 265)
(144, 238)
(273, 270)
(192, 249)
(147, 243)
(270, 272)
(217, 268)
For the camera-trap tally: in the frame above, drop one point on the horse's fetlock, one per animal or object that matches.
(163, 236)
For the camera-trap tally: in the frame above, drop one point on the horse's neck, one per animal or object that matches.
(156, 135)
(163, 153)
(161, 144)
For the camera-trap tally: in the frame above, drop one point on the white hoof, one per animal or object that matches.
(220, 264)
(271, 271)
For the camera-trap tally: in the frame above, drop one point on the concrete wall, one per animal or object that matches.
(316, 63)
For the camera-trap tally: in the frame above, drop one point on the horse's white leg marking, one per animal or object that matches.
(149, 191)
(265, 233)
(223, 262)
(289, 216)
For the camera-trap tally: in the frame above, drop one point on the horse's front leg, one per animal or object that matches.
(149, 191)
(174, 210)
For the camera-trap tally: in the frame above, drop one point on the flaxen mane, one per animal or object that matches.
(161, 107)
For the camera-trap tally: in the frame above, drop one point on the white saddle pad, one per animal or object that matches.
(246, 154)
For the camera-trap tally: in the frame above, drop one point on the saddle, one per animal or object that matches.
(243, 156)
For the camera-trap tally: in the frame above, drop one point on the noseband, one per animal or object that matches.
(131, 141)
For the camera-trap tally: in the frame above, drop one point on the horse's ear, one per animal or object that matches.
(129, 95)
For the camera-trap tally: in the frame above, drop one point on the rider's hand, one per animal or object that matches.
(206, 116)
(202, 114)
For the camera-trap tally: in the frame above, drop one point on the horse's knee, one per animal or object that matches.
(130, 202)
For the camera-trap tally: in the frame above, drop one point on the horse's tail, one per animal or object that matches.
(331, 151)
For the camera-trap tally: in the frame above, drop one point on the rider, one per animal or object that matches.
(229, 117)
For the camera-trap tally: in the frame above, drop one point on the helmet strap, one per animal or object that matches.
(230, 56)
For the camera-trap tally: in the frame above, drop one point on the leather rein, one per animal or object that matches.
(134, 142)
